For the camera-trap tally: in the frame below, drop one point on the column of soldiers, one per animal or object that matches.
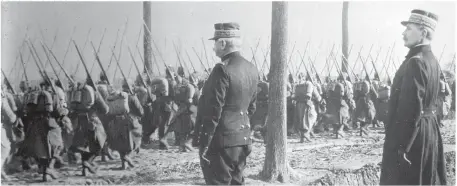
(87, 119)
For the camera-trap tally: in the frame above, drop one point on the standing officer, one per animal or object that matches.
(230, 96)
(413, 147)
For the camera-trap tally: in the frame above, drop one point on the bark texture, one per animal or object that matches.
(276, 165)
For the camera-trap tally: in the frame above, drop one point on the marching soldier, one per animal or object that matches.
(365, 110)
(162, 107)
(89, 133)
(443, 99)
(44, 136)
(146, 100)
(184, 119)
(229, 95)
(339, 109)
(290, 105)
(305, 112)
(9, 120)
(104, 90)
(413, 148)
(383, 103)
(125, 130)
(259, 117)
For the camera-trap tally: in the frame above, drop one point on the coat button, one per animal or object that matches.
(245, 138)
(242, 126)
(241, 113)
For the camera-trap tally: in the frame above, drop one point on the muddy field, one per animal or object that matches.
(325, 161)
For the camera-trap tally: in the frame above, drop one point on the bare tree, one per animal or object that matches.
(147, 39)
(276, 166)
(344, 65)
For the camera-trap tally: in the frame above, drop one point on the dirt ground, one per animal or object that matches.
(311, 161)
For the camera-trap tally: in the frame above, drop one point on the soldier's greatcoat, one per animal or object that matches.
(125, 130)
(229, 95)
(90, 135)
(413, 124)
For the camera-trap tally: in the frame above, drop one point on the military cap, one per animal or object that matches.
(422, 17)
(226, 30)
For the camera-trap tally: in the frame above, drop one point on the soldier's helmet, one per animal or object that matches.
(23, 85)
(102, 77)
(126, 84)
(339, 90)
(181, 71)
(170, 73)
(138, 80)
(291, 79)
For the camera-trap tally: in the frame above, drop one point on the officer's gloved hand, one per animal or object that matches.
(203, 155)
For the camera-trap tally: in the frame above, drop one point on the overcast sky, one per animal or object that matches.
(186, 23)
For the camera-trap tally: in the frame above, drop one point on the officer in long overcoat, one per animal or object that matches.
(230, 96)
(413, 147)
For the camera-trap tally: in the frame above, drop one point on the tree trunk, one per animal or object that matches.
(147, 39)
(344, 66)
(276, 165)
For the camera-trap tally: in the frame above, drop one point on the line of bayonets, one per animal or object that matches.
(90, 81)
(330, 61)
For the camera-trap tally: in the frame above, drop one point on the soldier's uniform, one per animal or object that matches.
(125, 130)
(260, 115)
(184, 119)
(339, 110)
(44, 136)
(8, 120)
(229, 95)
(444, 100)
(382, 108)
(305, 114)
(412, 131)
(104, 89)
(89, 133)
(365, 110)
(162, 107)
(290, 105)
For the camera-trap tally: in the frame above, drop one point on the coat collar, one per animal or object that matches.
(229, 55)
(418, 48)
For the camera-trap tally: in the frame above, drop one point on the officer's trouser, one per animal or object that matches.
(222, 169)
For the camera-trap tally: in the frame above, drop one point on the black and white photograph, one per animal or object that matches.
(228, 92)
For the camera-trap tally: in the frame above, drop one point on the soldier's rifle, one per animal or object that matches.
(157, 48)
(8, 83)
(84, 47)
(308, 76)
(134, 54)
(120, 48)
(23, 67)
(304, 53)
(37, 60)
(367, 77)
(389, 80)
(190, 61)
(144, 64)
(122, 73)
(81, 57)
(97, 58)
(335, 63)
(442, 52)
(98, 50)
(374, 62)
(330, 59)
(386, 60)
(49, 61)
(255, 61)
(255, 51)
(204, 68)
(139, 73)
(369, 52)
(66, 51)
(326, 62)
(206, 55)
(264, 59)
(179, 58)
(357, 59)
(289, 65)
(53, 42)
(115, 43)
(61, 67)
